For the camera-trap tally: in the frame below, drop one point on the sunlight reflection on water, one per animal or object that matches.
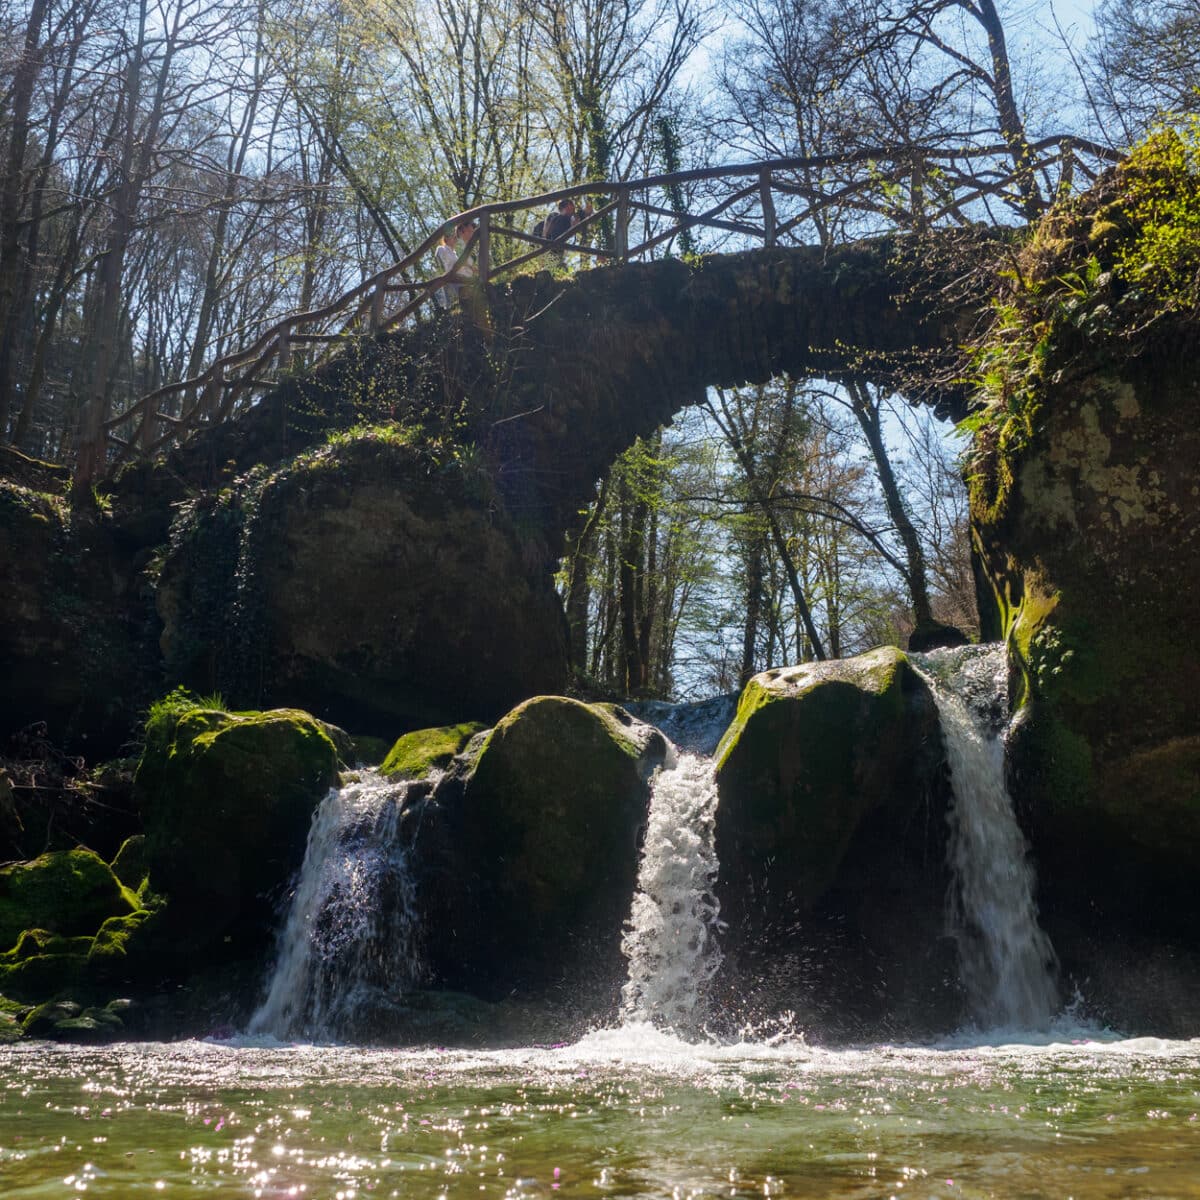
(629, 1112)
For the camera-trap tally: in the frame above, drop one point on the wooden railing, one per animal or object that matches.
(759, 202)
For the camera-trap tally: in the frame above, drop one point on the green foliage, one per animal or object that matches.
(1161, 203)
(1095, 274)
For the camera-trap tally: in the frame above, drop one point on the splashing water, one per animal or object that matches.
(350, 940)
(668, 939)
(1007, 962)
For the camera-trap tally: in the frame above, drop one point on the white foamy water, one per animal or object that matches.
(1008, 965)
(668, 940)
(350, 940)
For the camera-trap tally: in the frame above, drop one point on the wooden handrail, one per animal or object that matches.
(212, 395)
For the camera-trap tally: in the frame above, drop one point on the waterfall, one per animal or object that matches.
(350, 940)
(1008, 964)
(668, 939)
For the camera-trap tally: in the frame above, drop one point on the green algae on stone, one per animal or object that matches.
(227, 800)
(416, 754)
(551, 814)
(65, 892)
(811, 750)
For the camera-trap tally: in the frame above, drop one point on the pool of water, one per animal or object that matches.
(628, 1112)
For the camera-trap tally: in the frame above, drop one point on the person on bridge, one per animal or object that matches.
(558, 225)
(455, 240)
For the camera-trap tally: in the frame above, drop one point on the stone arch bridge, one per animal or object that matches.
(549, 378)
(399, 572)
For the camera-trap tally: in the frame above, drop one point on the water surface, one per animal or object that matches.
(630, 1112)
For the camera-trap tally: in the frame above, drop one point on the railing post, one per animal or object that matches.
(768, 206)
(211, 396)
(147, 430)
(622, 231)
(485, 248)
(375, 316)
(1066, 177)
(284, 349)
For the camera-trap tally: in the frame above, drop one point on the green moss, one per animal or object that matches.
(129, 865)
(34, 942)
(43, 975)
(1094, 275)
(552, 808)
(227, 799)
(811, 750)
(1052, 764)
(127, 946)
(424, 750)
(66, 892)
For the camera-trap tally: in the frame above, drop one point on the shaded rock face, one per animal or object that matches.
(372, 585)
(75, 623)
(528, 851)
(1092, 571)
(228, 800)
(831, 835)
(1085, 507)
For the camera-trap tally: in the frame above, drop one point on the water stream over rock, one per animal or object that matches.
(1008, 965)
(350, 941)
(668, 939)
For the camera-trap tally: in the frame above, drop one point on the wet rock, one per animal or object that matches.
(533, 841)
(1087, 518)
(830, 833)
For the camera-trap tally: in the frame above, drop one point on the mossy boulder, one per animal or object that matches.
(540, 840)
(375, 581)
(68, 892)
(128, 949)
(68, 1021)
(830, 834)
(424, 750)
(227, 800)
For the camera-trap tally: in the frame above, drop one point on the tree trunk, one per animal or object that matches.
(866, 411)
(579, 555)
(1012, 128)
(12, 200)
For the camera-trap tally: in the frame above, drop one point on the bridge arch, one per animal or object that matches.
(368, 585)
(552, 377)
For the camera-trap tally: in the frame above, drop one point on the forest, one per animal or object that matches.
(176, 175)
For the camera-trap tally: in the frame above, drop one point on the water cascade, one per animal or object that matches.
(1007, 962)
(668, 939)
(350, 940)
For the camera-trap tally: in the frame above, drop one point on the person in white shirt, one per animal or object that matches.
(454, 241)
